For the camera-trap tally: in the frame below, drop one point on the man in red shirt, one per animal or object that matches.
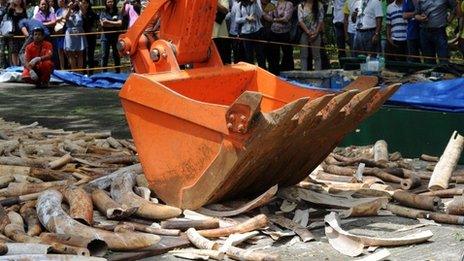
(38, 66)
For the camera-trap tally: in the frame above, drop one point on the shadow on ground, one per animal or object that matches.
(64, 107)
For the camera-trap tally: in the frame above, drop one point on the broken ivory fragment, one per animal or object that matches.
(352, 245)
(255, 203)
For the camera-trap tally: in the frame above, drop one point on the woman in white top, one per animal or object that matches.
(311, 21)
(236, 44)
(248, 18)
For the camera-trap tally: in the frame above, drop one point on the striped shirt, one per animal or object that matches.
(399, 26)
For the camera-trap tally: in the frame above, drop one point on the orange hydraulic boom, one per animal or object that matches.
(210, 132)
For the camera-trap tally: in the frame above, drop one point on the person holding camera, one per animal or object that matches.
(16, 12)
(74, 42)
(60, 28)
(38, 66)
(110, 20)
(3, 57)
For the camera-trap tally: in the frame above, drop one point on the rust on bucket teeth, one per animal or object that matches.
(317, 141)
(276, 164)
(206, 135)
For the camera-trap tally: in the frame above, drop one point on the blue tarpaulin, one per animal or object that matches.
(104, 80)
(446, 95)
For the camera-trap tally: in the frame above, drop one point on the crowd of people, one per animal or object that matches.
(265, 31)
(71, 27)
(401, 29)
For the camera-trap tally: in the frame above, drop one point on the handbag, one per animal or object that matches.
(6, 27)
(60, 23)
(220, 16)
(59, 26)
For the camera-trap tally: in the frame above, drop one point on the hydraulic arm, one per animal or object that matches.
(184, 36)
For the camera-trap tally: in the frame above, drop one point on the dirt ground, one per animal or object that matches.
(74, 108)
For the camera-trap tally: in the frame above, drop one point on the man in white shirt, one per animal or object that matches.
(368, 27)
(350, 11)
(338, 20)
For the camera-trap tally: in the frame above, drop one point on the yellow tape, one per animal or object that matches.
(272, 42)
(99, 68)
(60, 35)
(339, 49)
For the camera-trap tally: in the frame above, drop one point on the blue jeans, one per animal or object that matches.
(434, 43)
(363, 42)
(107, 42)
(414, 49)
(350, 41)
(3, 57)
(254, 49)
(90, 52)
(340, 35)
(399, 47)
(275, 63)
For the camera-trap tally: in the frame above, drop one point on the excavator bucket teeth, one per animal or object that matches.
(311, 139)
(206, 135)
(262, 147)
(322, 141)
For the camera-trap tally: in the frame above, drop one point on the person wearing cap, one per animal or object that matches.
(38, 66)
(27, 26)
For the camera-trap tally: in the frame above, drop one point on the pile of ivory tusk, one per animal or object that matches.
(427, 188)
(79, 194)
(73, 194)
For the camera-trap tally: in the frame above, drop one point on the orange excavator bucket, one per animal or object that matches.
(214, 132)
